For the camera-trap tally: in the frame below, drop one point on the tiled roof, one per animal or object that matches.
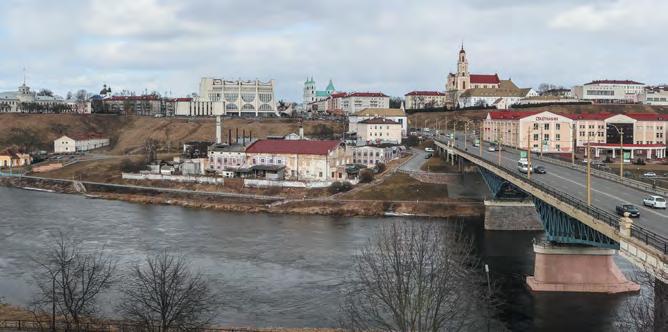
(511, 115)
(628, 82)
(366, 94)
(293, 147)
(425, 93)
(379, 121)
(381, 112)
(647, 116)
(484, 79)
(338, 95)
(589, 116)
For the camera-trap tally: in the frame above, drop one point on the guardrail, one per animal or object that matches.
(610, 176)
(644, 235)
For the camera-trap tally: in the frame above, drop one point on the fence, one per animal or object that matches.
(259, 183)
(177, 178)
(644, 235)
(34, 325)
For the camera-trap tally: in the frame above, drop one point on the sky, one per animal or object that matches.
(393, 46)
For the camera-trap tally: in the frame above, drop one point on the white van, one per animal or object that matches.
(523, 166)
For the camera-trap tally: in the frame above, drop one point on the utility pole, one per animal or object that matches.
(466, 132)
(498, 149)
(480, 145)
(529, 168)
(588, 175)
(542, 142)
(573, 143)
(621, 153)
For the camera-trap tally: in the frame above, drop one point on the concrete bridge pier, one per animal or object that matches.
(573, 268)
(660, 306)
(504, 215)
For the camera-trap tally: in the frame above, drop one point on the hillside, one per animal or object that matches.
(127, 134)
(419, 119)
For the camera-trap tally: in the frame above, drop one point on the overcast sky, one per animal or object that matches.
(393, 46)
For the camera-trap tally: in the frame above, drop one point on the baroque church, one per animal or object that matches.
(312, 95)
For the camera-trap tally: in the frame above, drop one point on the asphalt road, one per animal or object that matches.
(416, 161)
(605, 194)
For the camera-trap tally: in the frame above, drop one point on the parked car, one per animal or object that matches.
(539, 170)
(491, 148)
(649, 174)
(631, 209)
(654, 201)
(427, 156)
(428, 149)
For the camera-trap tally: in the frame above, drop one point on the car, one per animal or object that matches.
(428, 149)
(631, 209)
(654, 201)
(492, 148)
(539, 170)
(427, 156)
(649, 174)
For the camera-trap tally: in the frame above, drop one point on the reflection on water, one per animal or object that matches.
(271, 270)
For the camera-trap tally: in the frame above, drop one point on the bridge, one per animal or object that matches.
(580, 237)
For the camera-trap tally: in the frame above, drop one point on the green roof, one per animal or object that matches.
(330, 86)
(322, 93)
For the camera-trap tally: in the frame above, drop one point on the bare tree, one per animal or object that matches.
(414, 277)
(639, 312)
(70, 281)
(45, 92)
(151, 150)
(164, 295)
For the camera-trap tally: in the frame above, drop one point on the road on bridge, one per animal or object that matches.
(605, 194)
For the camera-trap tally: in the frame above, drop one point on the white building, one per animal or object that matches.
(198, 107)
(378, 131)
(247, 98)
(610, 91)
(657, 95)
(395, 114)
(503, 97)
(424, 99)
(79, 143)
(24, 100)
(353, 102)
(371, 155)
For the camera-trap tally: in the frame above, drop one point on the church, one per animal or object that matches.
(312, 95)
(464, 89)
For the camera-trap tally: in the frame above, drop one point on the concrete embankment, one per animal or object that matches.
(255, 203)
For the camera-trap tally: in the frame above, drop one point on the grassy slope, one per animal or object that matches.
(128, 133)
(401, 187)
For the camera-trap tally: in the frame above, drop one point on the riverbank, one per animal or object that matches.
(441, 208)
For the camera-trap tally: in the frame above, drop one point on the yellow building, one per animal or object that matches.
(14, 158)
(378, 131)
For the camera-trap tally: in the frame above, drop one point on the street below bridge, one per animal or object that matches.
(605, 194)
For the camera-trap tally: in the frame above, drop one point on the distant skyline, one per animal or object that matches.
(392, 46)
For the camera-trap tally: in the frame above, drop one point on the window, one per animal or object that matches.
(557, 137)
(535, 126)
(558, 147)
(546, 137)
(547, 126)
(535, 137)
(557, 126)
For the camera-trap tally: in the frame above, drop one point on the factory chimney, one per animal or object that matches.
(301, 130)
(219, 133)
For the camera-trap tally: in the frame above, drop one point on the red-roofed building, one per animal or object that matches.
(484, 81)
(424, 99)
(14, 158)
(644, 134)
(304, 160)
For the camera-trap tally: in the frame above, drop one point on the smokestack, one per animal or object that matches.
(250, 136)
(301, 130)
(229, 137)
(219, 134)
(237, 141)
(243, 137)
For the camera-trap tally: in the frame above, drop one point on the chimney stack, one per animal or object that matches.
(301, 130)
(229, 137)
(243, 137)
(219, 134)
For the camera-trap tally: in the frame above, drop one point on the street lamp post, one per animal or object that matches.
(573, 143)
(481, 128)
(588, 175)
(620, 131)
(529, 167)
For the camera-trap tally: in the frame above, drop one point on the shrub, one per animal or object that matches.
(412, 140)
(339, 187)
(381, 167)
(366, 176)
(130, 166)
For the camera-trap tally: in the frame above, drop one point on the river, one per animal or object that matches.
(270, 270)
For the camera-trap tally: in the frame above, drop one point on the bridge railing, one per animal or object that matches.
(638, 232)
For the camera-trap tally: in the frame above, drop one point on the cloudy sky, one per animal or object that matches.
(393, 46)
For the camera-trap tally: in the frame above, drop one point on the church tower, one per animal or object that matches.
(309, 91)
(463, 77)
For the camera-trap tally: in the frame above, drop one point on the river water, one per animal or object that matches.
(270, 270)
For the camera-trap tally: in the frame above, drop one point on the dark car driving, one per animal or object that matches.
(631, 209)
(539, 170)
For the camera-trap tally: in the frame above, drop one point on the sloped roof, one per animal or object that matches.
(647, 116)
(589, 116)
(84, 137)
(484, 79)
(425, 93)
(507, 84)
(511, 115)
(330, 86)
(381, 112)
(493, 92)
(315, 147)
(366, 94)
(379, 121)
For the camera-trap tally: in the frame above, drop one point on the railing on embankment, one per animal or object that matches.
(640, 233)
(35, 325)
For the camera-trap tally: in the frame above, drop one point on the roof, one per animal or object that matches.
(375, 112)
(615, 145)
(627, 82)
(379, 121)
(12, 153)
(605, 115)
(84, 137)
(425, 93)
(366, 94)
(330, 86)
(146, 97)
(484, 79)
(493, 92)
(589, 116)
(647, 116)
(314, 147)
(338, 95)
(322, 94)
(507, 84)
(511, 115)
